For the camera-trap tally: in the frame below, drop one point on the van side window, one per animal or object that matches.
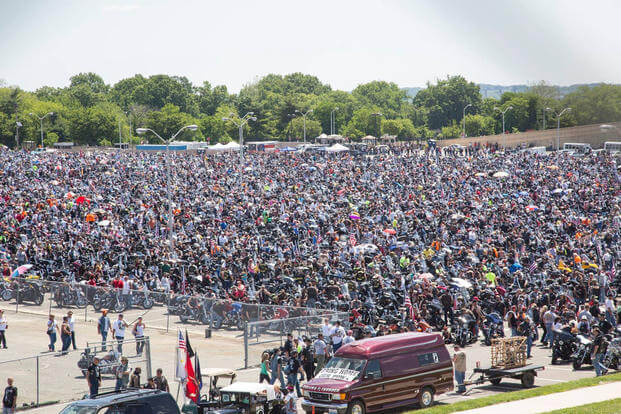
(162, 404)
(373, 368)
(428, 358)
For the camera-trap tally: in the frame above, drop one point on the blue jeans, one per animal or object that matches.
(549, 335)
(529, 344)
(514, 331)
(597, 364)
(610, 317)
(294, 380)
(104, 338)
(119, 348)
(66, 341)
(460, 376)
(281, 378)
(52, 340)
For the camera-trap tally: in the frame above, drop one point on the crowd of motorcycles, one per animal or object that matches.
(577, 348)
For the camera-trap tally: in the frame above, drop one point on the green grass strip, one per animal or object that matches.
(519, 395)
(604, 407)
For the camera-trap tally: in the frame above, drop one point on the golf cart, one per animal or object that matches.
(247, 398)
(210, 400)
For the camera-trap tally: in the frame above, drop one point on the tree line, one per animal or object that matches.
(91, 112)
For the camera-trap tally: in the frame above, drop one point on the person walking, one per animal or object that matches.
(93, 377)
(3, 327)
(103, 326)
(52, 329)
(71, 322)
(9, 400)
(459, 365)
(276, 368)
(65, 335)
(264, 374)
(119, 332)
(122, 375)
(138, 332)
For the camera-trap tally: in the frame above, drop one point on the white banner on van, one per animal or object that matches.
(338, 374)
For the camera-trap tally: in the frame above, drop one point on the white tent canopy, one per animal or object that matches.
(337, 148)
(218, 147)
(233, 145)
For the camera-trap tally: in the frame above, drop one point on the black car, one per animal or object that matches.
(136, 401)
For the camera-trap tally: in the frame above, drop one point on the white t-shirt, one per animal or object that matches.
(71, 323)
(609, 305)
(119, 328)
(140, 330)
(327, 331)
(3, 323)
(348, 339)
(339, 334)
(125, 290)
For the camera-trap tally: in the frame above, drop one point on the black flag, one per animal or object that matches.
(197, 373)
(187, 345)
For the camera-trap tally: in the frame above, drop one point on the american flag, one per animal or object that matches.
(182, 355)
(408, 305)
(613, 271)
(352, 239)
(532, 267)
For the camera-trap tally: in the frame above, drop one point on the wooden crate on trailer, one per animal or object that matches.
(508, 353)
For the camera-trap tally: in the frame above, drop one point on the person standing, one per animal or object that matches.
(134, 381)
(349, 338)
(122, 375)
(600, 346)
(138, 332)
(276, 368)
(9, 401)
(319, 348)
(71, 322)
(119, 332)
(65, 335)
(103, 326)
(3, 327)
(308, 360)
(337, 336)
(93, 377)
(160, 381)
(52, 329)
(459, 365)
(610, 310)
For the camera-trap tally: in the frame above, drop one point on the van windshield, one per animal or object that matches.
(346, 369)
(76, 409)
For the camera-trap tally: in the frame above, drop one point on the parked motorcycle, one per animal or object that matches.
(108, 300)
(462, 331)
(141, 299)
(564, 347)
(582, 355)
(6, 291)
(30, 292)
(107, 364)
(232, 318)
(188, 313)
(492, 327)
(613, 353)
(66, 296)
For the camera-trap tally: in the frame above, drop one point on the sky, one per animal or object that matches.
(343, 42)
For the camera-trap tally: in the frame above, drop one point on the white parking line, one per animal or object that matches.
(547, 379)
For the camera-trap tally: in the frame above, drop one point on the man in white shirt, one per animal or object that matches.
(139, 335)
(337, 336)
(327, 330)
(319, 349)
(118, 327)
(125, 291)
(71, 322)
(610, 310)
(349, 338)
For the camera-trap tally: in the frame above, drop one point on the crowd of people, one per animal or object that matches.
(389, 238)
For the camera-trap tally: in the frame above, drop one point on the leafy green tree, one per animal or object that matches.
(446, 100)
(451, 131)
(386, 96)
(296, 129)
(168, 121)
(477, 125)
(595, 105)
(402, 128)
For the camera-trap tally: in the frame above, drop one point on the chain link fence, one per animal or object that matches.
(262, 335)
(161, 310)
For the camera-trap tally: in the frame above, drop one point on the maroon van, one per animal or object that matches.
(381, 373)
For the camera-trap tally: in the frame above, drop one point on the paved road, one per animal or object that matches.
(557, 401)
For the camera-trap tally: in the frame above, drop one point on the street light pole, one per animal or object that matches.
(41, 118)
(17, 126)
(464, 120)
(304, 116)
(142, 131)
(332, 120)
(376, 115)
(243, 121)
(503, 124)
(558, 126)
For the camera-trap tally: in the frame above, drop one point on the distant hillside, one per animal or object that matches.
(495, 91)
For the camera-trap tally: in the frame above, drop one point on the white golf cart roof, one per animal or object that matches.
(218, 372)
(251, 388)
